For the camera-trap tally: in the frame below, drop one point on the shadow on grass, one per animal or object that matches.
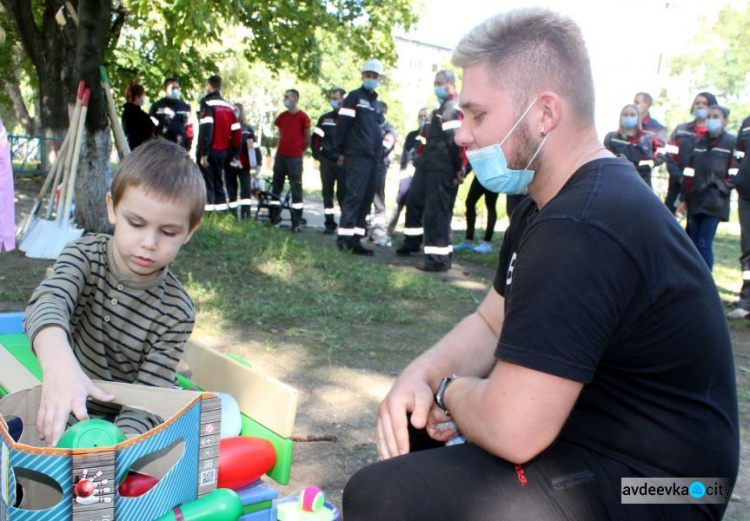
(283, 290)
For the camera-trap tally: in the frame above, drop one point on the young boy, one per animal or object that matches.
(111, 309)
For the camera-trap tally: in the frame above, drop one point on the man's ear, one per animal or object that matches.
(191, 232)
(550, 104)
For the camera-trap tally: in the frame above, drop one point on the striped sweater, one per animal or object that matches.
(120, 329)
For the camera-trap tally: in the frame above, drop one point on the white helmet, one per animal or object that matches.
(373, 66)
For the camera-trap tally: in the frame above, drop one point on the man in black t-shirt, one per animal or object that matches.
(600, 353)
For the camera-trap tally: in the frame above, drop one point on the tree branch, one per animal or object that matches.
(116, 29)
(20, 11)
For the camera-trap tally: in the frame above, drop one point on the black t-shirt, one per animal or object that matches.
(603, 287)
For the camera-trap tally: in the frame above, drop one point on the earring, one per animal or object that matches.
(542, 132)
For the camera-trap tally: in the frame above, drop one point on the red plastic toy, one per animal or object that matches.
(136, 484)
(244, 459)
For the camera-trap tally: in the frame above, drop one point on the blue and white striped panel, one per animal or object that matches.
(57, 468)
(180, 485)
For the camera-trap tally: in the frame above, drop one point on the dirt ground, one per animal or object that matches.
(336, 413)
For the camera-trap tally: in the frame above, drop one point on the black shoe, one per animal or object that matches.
(434, 268)
(329, 231)
(405, 251)
(358, 249)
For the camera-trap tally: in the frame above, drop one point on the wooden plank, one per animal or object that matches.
(262, 398)
(14, 376)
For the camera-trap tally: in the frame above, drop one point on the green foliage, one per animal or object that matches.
(718, 62)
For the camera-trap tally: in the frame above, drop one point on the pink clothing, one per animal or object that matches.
(7, 200)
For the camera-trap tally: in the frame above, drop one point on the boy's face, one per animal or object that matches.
(149, 232)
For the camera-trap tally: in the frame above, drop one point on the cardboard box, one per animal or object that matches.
(182, 453)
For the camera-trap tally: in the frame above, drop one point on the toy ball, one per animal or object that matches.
(231, 417)
(89, 434)
(84, 488)
(312, 499)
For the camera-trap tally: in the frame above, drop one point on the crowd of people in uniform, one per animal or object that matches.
(354, 142)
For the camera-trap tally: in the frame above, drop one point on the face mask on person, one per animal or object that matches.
(288, 103)
(237, 114)
(629, 122)
(700, 113)
(141, 102)
(370, 84)
(423, 121)
(491, 166)
(174, 94)
(713, 125)
(335, 104)
(441, 92)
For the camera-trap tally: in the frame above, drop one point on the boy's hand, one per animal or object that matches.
(65, 387)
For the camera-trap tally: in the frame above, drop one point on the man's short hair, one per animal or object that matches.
(532, 50)
(215, 82)
(710, 99)
(449, 76)
(294, 92)
(338, 90)
(645, 96)
(383, 106)
(171, 80)
(165, 170)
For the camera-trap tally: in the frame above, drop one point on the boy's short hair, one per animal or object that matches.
(338, 90)
(293, 92)
(165, 170)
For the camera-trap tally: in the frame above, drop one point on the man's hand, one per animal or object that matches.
(204, 161)
(460, 176)
(681, 211)
(65, 387)
(410, 394)
(440, 427)
(340, 161)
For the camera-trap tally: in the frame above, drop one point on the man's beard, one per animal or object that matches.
(524, 149)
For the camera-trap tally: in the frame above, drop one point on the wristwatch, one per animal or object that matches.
(440, 394)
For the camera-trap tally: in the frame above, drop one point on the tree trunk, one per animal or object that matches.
(93, 181)
(94, 173)
(19, 106)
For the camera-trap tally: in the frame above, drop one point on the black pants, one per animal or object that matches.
(378, 202)
(291, 167)
(331, 175)
(673, 192)
(466, 483)
(476, 191)
(213, 174)
(744, 215)
(415, 201)
(360, 174)
(440, 194)
(238, 194)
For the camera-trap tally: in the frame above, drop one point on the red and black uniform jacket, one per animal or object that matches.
(638, 149)
(708, 180)
(440, 149)
(324, 137)
(219, 129)
(172, 120)
(680, 148)
(742, 179)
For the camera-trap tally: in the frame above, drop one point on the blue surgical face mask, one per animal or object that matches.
(700, 113)
(335, 105)
(370, 84)
(174, 94)
(629, 122)
(287, 103)
(440, 92)
(141, 102)
(713, 125)
(491, 166)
